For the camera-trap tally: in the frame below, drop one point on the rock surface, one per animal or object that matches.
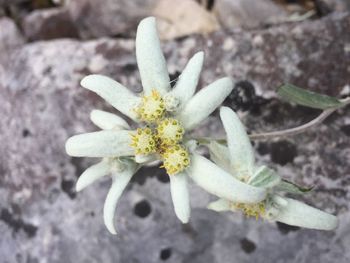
(327, 6)
(42, 218)
(10, 38)
(108, 17)
(49, 24)
(248, 13)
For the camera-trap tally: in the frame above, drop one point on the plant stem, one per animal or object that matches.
(299, 129)
(287, 132)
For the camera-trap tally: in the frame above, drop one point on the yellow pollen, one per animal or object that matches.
(152, 107)
(143, 141)
(175, 159)
(169, 131)
(254, 210)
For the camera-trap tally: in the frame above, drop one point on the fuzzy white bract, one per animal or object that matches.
(164, 116)
(238, 160)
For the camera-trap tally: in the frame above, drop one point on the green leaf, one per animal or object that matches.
(307, 98)
(292, 188)
(265, 177)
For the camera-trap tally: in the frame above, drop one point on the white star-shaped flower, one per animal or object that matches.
(165, 115)
(238, 159)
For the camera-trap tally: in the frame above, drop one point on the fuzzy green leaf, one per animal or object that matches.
(265, 177)
(292, 188)
(307, 98)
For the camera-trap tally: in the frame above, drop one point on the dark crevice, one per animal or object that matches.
(322, 8)
(345, 129)
(165, 254)
(189, 230)
(147, 172)
(243, 98)
(275, 111)
(174, 77)
(17, 223)
(123, 35)
(285, 229)
(27, 5)
(129, 68)
(26, 133)
(210, 4)
(247, 245)
(263, 148)
(78, 164)
(17, 10)
(142, 209)
(283, 152)
(67, 186)
(207, 4)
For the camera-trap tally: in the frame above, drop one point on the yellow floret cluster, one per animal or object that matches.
(169, 131)
(162, 135)
(143, 141)
(152, 108)
(255, 210)
(175, 159)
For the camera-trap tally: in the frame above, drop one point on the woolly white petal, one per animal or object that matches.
(205, 102)
(296, 213)
(188, 80)
(220, 183)
(113, 92)
(108, 121)
(220, 155)
(180, 196)
(242, 155)
(140, 158)
(120, 181)
(220, 205)
(150, 59)
(91, 174)
(100, 144)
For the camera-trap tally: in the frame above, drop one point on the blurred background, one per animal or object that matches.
(47, 47)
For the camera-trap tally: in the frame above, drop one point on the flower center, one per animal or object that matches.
(254, 210)
(143, 141)
(175, 159)
(169, 131)
(152, 107)
(171, 103)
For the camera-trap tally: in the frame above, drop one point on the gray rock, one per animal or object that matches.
(10, 36)
(248, 13)
(108, 17)
(19, 9)
(327, 6)
(42, 219)
(49, 24)
(2, 10)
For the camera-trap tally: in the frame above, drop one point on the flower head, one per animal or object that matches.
(176, 159)
(169, 132)
(238, 160)
(151, 108)
(143, 141)
(164, 116)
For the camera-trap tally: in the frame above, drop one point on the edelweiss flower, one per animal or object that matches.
(164, 116)
(238, 159)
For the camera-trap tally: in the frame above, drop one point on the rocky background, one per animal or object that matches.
(46, 47)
